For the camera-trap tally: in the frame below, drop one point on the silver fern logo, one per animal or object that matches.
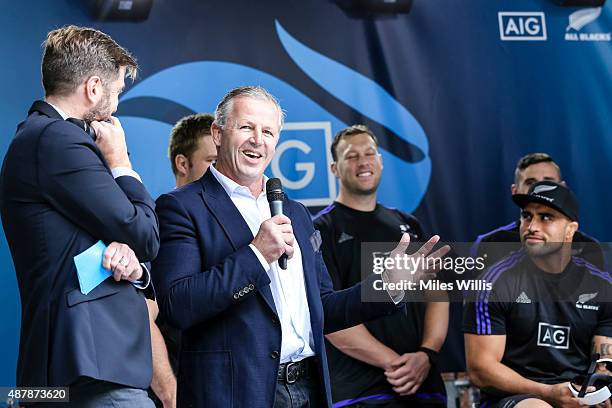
(542, 189)
(581, 18)
(584, 298)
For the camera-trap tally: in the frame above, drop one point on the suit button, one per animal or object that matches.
(241, 292)
(236, 296)
(274, 354)
(251, 286)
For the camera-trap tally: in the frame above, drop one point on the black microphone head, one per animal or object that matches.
(274, 190)
(274, 184)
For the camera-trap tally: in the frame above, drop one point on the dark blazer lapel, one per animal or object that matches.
(48, 110)
(224, 211)
(45, 109)
(230, 220)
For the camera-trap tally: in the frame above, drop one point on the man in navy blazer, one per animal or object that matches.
(252, 332)
(62, 189)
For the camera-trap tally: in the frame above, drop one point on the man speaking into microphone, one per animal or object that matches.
(252, 331)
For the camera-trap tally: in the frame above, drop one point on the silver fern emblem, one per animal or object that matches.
(586, 297)
(580, 18)
(542, 189)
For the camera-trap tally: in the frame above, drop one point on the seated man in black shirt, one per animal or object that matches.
(530, 169)
(547, 313)
(390, 361)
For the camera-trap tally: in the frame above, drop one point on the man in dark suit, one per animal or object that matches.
(252, 332)
(62, 189)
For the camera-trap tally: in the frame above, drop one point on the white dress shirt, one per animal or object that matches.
(287, 286)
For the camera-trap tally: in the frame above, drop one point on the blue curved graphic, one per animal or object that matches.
(404, 184)
(356, 90)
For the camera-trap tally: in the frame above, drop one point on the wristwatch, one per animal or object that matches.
(432, 355)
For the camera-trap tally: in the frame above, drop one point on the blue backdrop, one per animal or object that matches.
(456, 92)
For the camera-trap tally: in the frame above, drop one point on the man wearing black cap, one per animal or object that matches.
(530, 169)
(547, 313)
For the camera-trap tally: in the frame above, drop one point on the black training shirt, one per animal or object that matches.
(549, 319)
(343, 229)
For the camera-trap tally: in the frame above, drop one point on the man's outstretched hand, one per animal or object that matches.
(417, 266)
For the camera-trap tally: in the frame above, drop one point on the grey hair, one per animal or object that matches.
(256, 92)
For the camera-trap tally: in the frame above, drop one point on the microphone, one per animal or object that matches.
(275, 195)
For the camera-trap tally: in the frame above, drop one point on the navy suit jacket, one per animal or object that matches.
(57, 198)
(231, 337)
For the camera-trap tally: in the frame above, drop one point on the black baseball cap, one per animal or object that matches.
(550, 194)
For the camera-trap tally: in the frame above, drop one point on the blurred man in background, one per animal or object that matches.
(191, 151)
(191, 148)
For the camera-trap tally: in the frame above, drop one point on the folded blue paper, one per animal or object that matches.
(89, 267)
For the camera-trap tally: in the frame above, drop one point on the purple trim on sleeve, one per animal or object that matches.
(323, 211)
(476, 244)
(483, 321)
(352, 401)
(592, 269)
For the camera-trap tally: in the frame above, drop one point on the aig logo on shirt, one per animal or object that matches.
(550, 335)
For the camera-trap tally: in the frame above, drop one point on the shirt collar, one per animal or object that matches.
(61, 112)
(230, 186)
